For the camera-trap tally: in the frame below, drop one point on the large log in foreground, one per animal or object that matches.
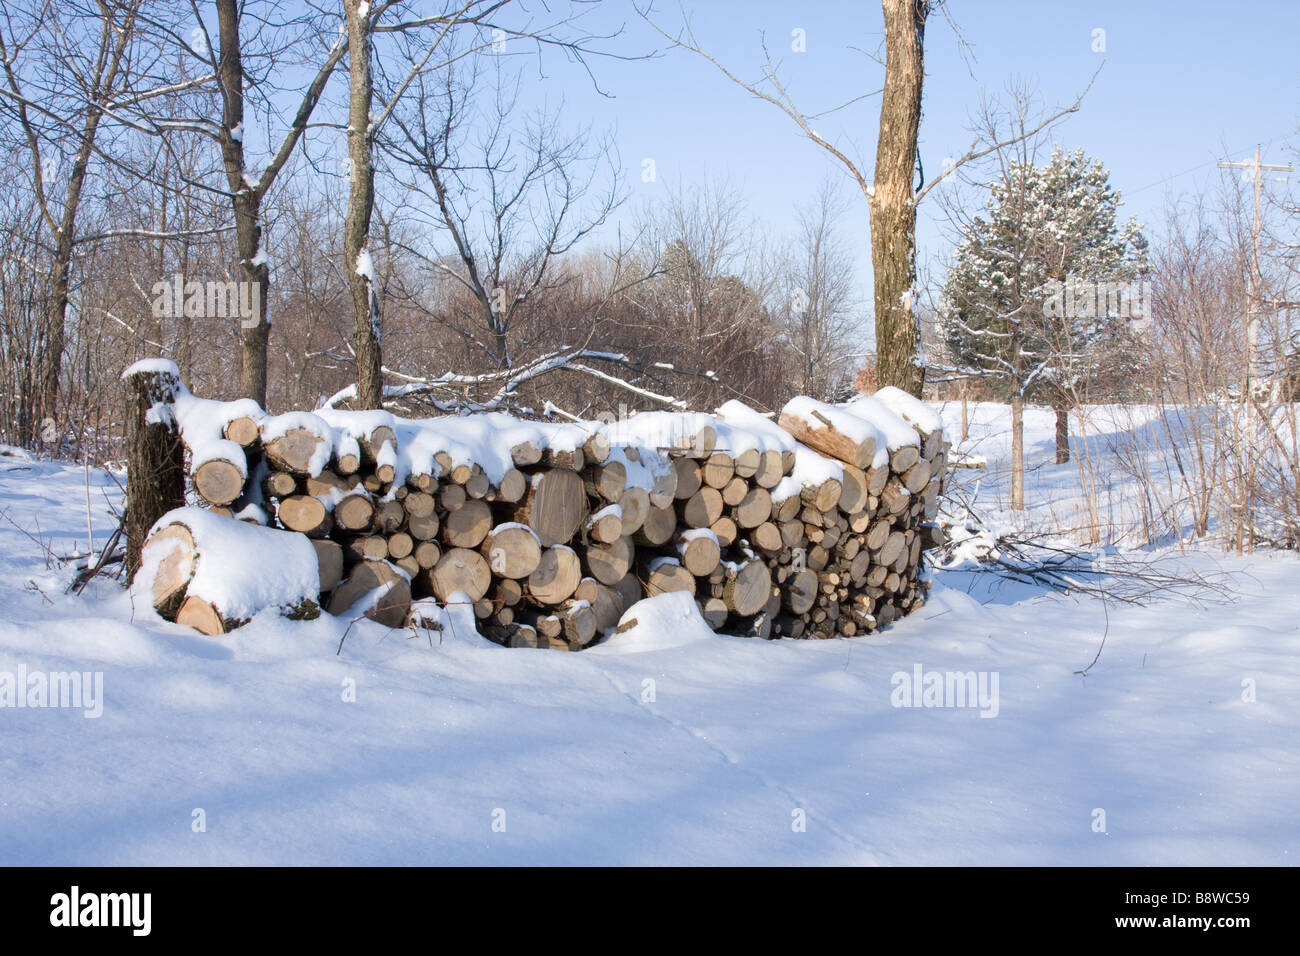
(809, 526)
(214, 574)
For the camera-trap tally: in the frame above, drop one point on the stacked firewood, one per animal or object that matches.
(860, 559)
(804, 527)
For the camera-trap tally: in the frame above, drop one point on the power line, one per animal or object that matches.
(1170, 179)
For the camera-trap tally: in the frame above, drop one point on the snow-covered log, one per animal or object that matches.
(221, 572)
(831, 430)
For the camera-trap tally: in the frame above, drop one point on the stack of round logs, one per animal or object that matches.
(553, 551)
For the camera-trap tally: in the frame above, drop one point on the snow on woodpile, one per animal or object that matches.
(895, 431)
(665, 620)
(809, 523)
(815, 477)
(911, 409)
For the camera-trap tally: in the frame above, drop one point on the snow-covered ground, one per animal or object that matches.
(666, 745)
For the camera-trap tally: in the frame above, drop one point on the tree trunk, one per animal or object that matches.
(155, 476)
(52, 359)
(247, 202)
(361, 198)
(965, 417)
(1062, 431)
(255, 332)
(1017, 452)
(893, 210)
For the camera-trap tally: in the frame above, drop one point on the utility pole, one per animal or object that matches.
(1256, 169)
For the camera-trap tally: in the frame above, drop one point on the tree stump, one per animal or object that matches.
(155, 480)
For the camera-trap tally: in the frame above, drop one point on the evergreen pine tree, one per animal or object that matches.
(1014, 307)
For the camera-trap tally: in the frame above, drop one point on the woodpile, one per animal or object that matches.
(811, 525)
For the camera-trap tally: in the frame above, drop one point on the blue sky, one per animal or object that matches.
(1183, 85)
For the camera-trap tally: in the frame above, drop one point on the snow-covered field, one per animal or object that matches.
(1054, 494)
(665, 745)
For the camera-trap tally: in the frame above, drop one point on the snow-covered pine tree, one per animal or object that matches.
(1009, 311)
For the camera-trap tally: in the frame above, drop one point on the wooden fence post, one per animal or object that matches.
(155, 478)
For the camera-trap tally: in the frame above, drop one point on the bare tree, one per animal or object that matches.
(816, 300)
(512, 202)
(24, 296)
(310, 295)
(892, 197)
(548, 170)
(238, 77)
(80, 66)
(705, 313)
(363, 128)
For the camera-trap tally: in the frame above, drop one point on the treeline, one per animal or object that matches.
(284, 199)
